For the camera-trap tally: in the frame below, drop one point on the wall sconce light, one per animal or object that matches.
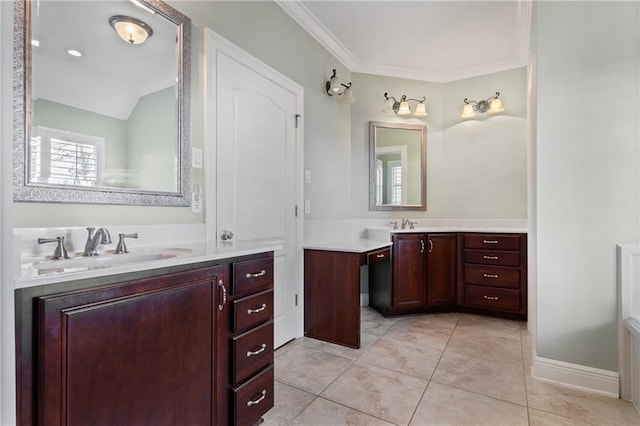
(335, 87)
(402, 107)
(130, 29)
(493, 105)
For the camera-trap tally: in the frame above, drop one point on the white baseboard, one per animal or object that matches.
(364, 299)
(574, 376)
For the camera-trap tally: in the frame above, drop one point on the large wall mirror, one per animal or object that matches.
(397, 167)
(102, 99)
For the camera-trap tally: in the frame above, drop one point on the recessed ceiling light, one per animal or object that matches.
(35, 43)
(75, 53)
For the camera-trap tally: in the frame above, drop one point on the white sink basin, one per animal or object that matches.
(106, 259)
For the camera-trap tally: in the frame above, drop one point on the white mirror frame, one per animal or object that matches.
(32, 192)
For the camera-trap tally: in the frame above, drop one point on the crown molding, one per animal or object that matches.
(299, 12)
(313, 26)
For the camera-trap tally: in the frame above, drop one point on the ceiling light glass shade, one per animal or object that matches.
(129, 29)
(334, 85)
(467, 111)
(421, 110)
(404, 108)
(496, 106)
(347, 96)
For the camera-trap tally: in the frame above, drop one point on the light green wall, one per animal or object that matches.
(476, 169)
(588, 173)
(63, 117)
(151, 151)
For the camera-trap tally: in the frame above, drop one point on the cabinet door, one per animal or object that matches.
(409, 271)
(441, 269)
(134, 353)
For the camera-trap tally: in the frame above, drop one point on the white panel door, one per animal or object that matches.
(256, 173)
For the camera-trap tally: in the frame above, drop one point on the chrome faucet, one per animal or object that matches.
(60, 251)
(406, 222)
(101, 236)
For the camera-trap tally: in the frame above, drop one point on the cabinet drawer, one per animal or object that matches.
(492, 241)
(252, 275)
(493, 276)
(254, 398)
(495, 298)
(378, 255)
(252, 351)
(252, 310)
(492, 257)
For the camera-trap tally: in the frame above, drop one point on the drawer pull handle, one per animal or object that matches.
(255, 311)
(490, 241)
(223, 297)
(490, 257)
(257, 274)
(259, 351)
(380, 256)
(490, 275)
(263, 395)
(491, 297)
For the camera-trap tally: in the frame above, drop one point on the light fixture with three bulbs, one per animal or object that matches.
(343, 92)
(402, 106)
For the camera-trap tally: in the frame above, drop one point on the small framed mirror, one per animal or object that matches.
(397, 166)
(102, 102)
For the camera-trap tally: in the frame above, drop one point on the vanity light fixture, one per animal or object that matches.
(402, 106)
(335, 88)
(492, 105)
(129, 29)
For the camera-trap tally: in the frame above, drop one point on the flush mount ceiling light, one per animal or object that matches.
(343, 92)
(130, 29)
(492, 105)
(402, 106)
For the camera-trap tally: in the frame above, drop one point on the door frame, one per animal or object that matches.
(213, 45)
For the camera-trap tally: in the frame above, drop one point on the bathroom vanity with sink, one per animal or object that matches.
(443, 270)
(186, 340)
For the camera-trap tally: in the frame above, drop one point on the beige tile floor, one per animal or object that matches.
(444, 369)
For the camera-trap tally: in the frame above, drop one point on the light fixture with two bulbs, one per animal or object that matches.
(343, 92)
(402, 106)
(492, 105)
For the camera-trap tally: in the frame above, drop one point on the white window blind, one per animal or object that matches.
(65, 157)
(396, 185)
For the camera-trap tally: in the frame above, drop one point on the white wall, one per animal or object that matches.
(588, 173)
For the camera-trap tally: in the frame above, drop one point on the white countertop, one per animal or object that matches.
(350, 246)
(190, 253)
(384, 233)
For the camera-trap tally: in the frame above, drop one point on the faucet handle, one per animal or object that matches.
(411, 224)
(122, 246)
(395, 224)
(60, 250)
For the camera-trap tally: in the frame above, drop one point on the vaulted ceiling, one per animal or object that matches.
(436, 41)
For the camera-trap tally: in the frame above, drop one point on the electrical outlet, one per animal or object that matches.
(307, 206)
(307, 176)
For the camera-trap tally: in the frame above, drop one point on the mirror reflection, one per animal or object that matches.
(107, 108)
(397, 166)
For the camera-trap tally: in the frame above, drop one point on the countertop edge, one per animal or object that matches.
(349, 246)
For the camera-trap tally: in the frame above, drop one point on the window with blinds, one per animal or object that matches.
(65, 158)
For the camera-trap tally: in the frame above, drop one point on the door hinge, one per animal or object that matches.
(296, 210)
(298, 116)
(296, 299)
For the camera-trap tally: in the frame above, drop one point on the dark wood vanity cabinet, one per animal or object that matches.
(423, 275)
(192, 347)
(493, 273)
(409, 276)
(244, 322)
(441, 270)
